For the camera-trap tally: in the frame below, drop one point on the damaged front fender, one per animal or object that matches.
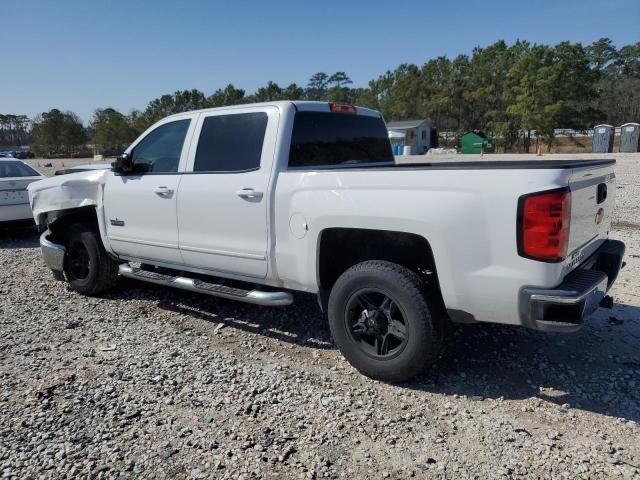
(64, 192)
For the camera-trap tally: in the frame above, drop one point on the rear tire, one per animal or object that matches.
(87, 266)
(380, 318)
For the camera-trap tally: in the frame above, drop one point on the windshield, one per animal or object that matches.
(12, 168)
(324, 139)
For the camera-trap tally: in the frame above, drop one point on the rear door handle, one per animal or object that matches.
(164, 192)
(249, 194)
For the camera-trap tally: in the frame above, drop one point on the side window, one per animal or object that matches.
(231, 143)
(159, 151)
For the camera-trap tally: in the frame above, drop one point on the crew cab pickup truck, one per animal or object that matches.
(254, 202)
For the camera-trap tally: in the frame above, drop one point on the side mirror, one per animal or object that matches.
(122, 165)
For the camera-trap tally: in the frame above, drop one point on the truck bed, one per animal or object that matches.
(507, 157)
(435, 163)
(508, 164)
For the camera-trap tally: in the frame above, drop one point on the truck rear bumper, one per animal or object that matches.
(566, 307)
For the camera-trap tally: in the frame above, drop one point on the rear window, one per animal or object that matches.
(324, 139)
(231, 143)
(10, 169)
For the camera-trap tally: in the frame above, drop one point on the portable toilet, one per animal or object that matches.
(397, 142)
(630, 138)
(603, 138)
(475, 142)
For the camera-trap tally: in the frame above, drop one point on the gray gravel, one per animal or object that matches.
(150, 382)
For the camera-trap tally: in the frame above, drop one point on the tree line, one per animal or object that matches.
(515, 92)
(15, 130)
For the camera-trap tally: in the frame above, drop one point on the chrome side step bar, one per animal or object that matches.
(258, 297)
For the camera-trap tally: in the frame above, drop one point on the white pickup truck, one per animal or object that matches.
(253, 202)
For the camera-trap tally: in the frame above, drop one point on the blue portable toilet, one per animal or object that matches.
(397, 142)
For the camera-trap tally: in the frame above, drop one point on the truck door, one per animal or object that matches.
(223, 198)
(140, 207)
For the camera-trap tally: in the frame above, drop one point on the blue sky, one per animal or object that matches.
(84, 54)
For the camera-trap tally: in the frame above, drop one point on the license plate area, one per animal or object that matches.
(14, 197)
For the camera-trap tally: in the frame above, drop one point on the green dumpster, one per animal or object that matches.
(476, 142)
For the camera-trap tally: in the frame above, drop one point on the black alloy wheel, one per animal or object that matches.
(376, 323)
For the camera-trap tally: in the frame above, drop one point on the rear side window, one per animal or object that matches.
(324, 138)
(231, 143)
(11, 168)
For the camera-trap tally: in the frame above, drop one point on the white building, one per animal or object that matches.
(413, 133)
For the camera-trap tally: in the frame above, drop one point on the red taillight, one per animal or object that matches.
(342, 108)
(543, 225)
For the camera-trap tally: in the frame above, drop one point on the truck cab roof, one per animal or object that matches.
(298, 105)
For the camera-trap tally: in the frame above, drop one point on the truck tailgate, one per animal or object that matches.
(593, 192)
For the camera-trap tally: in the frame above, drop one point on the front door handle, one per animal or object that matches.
(164, 192)
(249, 194)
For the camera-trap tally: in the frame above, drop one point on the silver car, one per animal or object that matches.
(15, 175)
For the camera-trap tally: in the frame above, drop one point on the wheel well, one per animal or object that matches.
(62, 221)
(341, 248)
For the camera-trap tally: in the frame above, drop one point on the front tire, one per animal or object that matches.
(87, 266)
(380, 319)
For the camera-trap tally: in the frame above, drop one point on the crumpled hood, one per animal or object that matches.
(74, 190)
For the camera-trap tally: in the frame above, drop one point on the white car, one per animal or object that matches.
(252, 202)
(15, 175)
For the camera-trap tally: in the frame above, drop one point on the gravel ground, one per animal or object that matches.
(149, 382)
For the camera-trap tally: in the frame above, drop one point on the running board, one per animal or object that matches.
(258, 297)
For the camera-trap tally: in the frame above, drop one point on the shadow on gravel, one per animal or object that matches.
(301, 323)
(596, 369)
(18, 236)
